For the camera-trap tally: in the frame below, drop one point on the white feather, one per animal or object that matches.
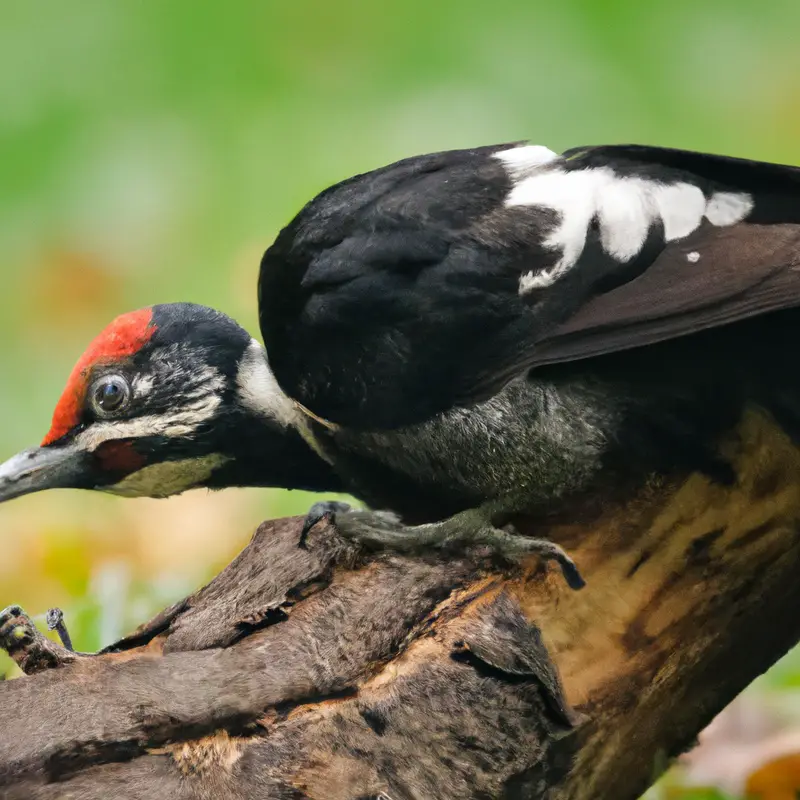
(626, 208)
(679, 205)
(728, 208)
(520, 160)
(572, 195)
(625, 216)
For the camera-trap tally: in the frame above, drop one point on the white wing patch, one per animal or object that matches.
(728, 208)
(519, 161)
(626, 208)
(680, 205)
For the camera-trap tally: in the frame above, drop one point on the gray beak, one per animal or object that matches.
(66, 467)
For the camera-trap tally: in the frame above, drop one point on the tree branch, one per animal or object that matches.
(320, 673)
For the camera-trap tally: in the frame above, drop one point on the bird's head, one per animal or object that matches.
(166, 399)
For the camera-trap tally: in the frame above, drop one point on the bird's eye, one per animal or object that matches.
(110, 395)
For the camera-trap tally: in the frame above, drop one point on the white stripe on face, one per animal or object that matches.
(198, 407)
(260, 393)
(259, 390)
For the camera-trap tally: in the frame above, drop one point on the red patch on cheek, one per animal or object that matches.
(125, 336)
(119, 457)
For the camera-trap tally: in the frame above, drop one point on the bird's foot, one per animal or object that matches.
(324, 510)
(463, 532)
(31, 650)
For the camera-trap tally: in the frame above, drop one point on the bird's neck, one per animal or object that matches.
(264, 454)
(267, 436)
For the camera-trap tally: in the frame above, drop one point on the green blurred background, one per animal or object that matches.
(150, 151)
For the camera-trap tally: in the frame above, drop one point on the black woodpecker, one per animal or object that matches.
(462, 338)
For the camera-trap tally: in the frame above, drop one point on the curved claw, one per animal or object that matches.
(323, 510)
(55, 622)
(570, 572)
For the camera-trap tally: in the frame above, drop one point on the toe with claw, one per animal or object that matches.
(324, 510)
(30, 649)
(55, 622)
(460, 534)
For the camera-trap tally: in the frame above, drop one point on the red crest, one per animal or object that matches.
(125, 336)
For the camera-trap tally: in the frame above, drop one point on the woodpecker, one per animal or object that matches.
(166, 399)
(461, 338)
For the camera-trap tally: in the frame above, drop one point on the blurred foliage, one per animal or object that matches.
(150, 151)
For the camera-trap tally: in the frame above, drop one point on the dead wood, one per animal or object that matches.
(333, 675)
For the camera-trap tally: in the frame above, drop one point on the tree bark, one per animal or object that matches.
(330, 674)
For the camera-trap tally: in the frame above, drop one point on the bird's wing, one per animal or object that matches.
(431, 283)
(714, 276)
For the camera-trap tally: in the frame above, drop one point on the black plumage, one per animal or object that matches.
(395, 295)
(468, 338)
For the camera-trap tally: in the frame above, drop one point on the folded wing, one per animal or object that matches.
(434, 281)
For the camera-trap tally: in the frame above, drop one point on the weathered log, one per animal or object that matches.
(329, 674)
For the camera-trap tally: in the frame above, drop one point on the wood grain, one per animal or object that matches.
(321, 674)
